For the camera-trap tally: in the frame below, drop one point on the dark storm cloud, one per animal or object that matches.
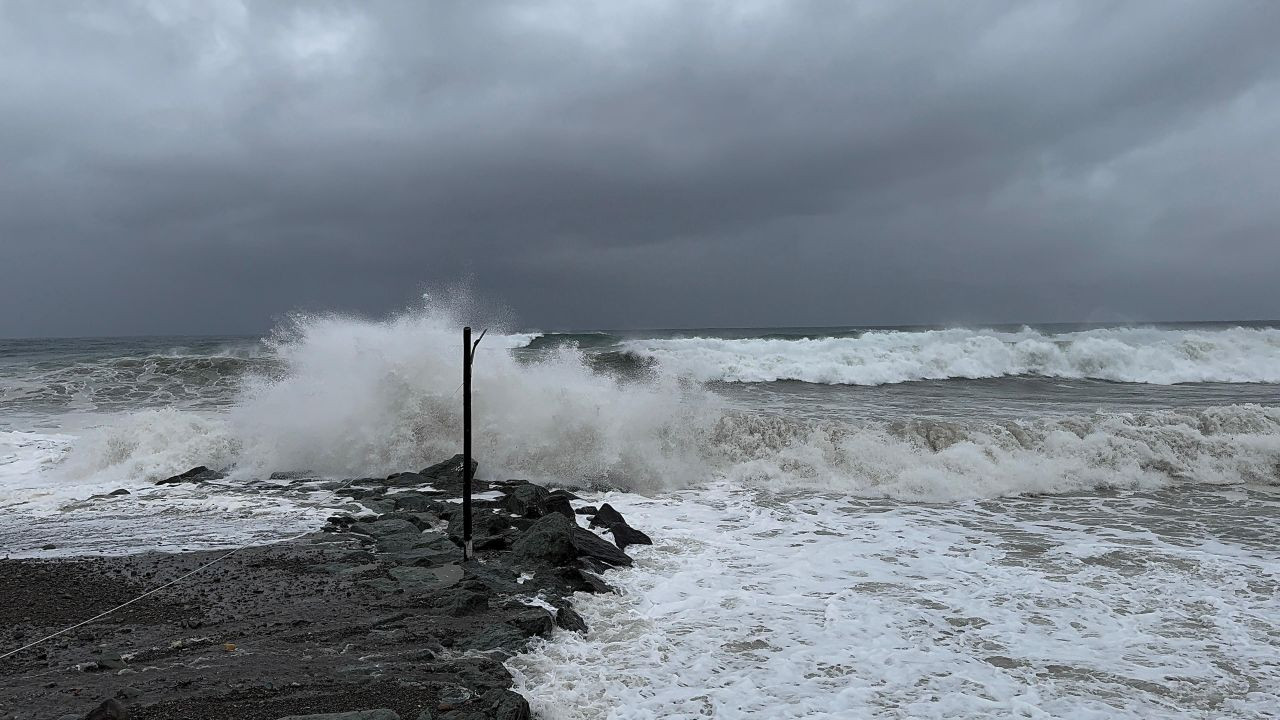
(204, 166)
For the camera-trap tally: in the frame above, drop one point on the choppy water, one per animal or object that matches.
(1065, 521)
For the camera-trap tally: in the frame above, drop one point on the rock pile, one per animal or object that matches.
(374, 618)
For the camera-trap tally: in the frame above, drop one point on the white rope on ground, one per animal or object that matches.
(150, 592)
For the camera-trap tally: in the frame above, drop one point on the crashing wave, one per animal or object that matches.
(355, 397)
(1138, 355)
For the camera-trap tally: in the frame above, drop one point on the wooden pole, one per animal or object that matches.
(466, 443)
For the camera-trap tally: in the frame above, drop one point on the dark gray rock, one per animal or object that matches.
(451, 468)
(390, 526)
(607, 517)
(558, 503)
(116, 493)
(196, 474)
(532, 621)
(406, 479)
(108, 710)
(355, 715)
(568, 619)
(527, 500)
(588, 544)
(505, 704)
(587, 510)
(424, 579)
(550, 539)
(624, 535)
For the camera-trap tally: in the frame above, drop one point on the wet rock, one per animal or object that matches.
(109, 710)
(406, 479)
(532, 621)
(624, 535)
(607, 517)
(117, 493)
(570, 620)
(356, 715)
(483, 522)
(588, 544)
(527, 500)
(447, 476)
(451, 468)
(587, 510)
(506, 705)
(550, 539)
(558, 503)
(196, 474)
(424, 579)
(457, 600)
(415, 501)
(390, 526)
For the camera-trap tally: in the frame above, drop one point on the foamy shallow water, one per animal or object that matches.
(750, 605)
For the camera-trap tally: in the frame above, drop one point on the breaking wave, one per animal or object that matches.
(1137, 355)
(354, 397)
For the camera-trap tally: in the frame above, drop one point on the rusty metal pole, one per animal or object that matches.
(467, 350)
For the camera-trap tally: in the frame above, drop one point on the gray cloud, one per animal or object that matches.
(206, 166)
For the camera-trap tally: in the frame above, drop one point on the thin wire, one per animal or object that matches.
(153, 591)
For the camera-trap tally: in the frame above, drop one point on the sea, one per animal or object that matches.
(1044, 521)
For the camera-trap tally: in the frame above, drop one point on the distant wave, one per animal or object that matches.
(358, 397)
(1138, 355)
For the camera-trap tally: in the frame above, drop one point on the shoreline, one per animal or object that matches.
(376, 612)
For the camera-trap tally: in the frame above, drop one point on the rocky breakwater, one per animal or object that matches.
(376, 617)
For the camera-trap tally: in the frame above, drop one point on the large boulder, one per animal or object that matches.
(527, 500)
(196, 474)
(606, 517)
(588, 544)
(550, 539)
(623, 534)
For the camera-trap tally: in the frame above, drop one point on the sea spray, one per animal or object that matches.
(345, 397)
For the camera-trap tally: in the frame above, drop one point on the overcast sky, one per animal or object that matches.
(206, 167)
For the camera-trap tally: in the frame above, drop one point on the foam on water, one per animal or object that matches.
(353, 397)
(752, 605)
(1144, 355)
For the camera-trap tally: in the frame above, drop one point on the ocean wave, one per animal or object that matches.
(358, 398)
(1136, 355)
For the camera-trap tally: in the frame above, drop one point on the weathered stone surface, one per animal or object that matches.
(357, 715)
(405, 479)
(390, 526)
(550, 539)
(587, 510)
(558, 503)
(423, 579)
(197, 474)
(109, 710)
(624, 535)
(588, 544)
(504, 704)
(532, 621)
(527, 500)
(606, 517)
(568, 619)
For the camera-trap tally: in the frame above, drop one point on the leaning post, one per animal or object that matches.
(466, 442)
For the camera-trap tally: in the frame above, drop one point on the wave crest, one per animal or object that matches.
(1139, 355)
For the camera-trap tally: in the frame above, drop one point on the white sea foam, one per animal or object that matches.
(757, 606)
(359, 397)
(1143, 355)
